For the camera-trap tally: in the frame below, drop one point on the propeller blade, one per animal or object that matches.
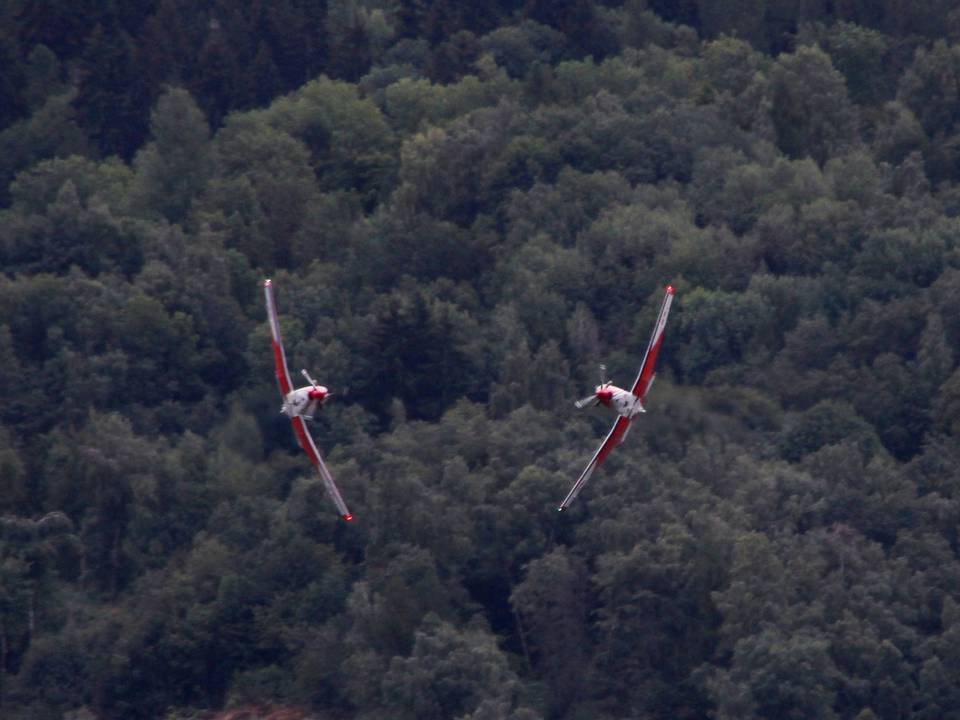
(588, 400)
(309, 379)
(603, 374)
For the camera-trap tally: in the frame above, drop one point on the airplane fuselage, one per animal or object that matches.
(304, 401)
(623, 401)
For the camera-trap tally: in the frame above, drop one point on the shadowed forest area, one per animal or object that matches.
(465, 207)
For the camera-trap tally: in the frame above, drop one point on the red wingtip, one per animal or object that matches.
(669, 289)
(267, 282)
(348, 518)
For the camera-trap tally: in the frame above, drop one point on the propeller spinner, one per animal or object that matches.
(319, 392)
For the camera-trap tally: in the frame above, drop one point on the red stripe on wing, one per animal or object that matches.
(279, 358)
(280, 367)
(306, 442)
(645, 376)
(611, 441)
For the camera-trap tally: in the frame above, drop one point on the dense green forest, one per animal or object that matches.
(465, 208)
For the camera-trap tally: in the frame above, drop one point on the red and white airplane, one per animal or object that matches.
(627, 403)
(301, 403)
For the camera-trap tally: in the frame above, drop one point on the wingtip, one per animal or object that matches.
(348, 517)
(268, 282)
(669, 289)
(561, 508)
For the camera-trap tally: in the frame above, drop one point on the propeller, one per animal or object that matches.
(587, 401)
(590, 400)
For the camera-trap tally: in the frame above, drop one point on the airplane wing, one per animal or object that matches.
(279, 359)
(613, 439)
(299, 428)
(306, 442)
(645, 376)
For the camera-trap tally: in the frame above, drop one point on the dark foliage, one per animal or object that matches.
(465, 207)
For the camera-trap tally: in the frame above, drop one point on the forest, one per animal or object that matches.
(465, 208)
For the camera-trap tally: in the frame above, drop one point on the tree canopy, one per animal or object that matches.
(465, 208)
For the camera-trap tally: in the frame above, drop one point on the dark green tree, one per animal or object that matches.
(811, 110)
(110, 102)
(550, 605)
(449, 673)
(172, 169)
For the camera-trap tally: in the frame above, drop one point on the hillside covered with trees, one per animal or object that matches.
(465, 207)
